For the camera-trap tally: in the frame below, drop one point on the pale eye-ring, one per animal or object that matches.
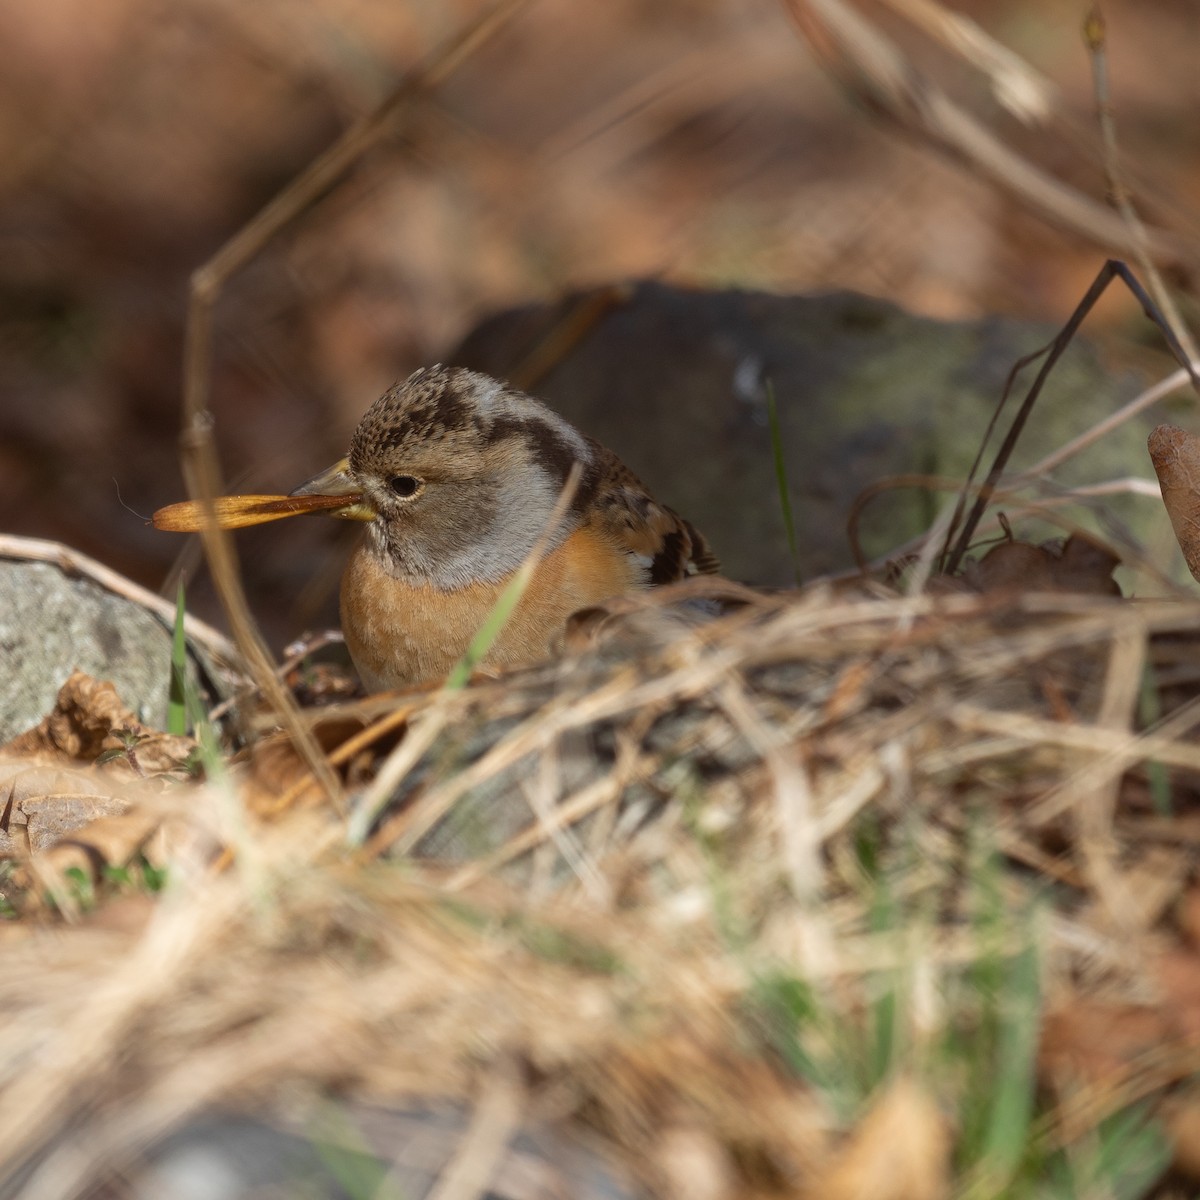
(404, 486)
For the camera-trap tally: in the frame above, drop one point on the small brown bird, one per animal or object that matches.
(458, 476)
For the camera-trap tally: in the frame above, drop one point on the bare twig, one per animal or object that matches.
(200, 467)
(1052, 353)
(1096, 37)
(868, 63)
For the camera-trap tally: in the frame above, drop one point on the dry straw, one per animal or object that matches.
(719, 782)
(754, 904)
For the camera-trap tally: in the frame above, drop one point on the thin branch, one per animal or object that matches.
(1095, 36)
(198, 451)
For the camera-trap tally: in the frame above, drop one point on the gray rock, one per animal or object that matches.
(367, 1151)
(676, 382)
(60, 610)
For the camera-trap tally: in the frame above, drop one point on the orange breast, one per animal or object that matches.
(398, 633)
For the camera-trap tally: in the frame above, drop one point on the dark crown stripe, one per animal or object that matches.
(553, 451)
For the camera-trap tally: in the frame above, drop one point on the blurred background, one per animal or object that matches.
(696, 142)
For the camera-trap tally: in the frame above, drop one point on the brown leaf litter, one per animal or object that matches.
(58, 814)
(603, 861)
(89, 720)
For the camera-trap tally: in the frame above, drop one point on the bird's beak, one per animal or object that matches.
(320, 494)
(337, 481)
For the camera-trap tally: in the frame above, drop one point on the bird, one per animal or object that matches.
(457, 476)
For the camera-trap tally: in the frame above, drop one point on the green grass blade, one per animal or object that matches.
(346, 1158)
(781, 480)
(177, 687)
(1013, 1096)
(489, 631)
(184, 706)
(1158, 778)
(1132, 1154)
(885, 1012)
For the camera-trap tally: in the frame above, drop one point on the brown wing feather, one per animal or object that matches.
(703, 560)
(671, 547)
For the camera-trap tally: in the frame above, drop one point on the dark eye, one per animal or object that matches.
(404, 485)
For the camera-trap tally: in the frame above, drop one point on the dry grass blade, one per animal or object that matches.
(777, 905)
(201, 471)
(793, 794)
(1096, 37)
(1095, 814)
(1052, 353)
(604, 791)
(872, 66)
(1024, 91)
(602, 857)
(499, 1113)
(1146, 399)
(900, 1151)
(1108, 758)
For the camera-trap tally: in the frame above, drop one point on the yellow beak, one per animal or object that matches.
(337, 481)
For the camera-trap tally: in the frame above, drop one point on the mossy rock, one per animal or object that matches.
(676, 381)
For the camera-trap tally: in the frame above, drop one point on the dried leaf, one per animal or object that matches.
(92, 818)
(1175, 454)
(1086, 565)
(1080, 565)
(89, 720)
(236, 512)
(900, 1151)
(1091, 1040)
(1178, 974)
(41, 802)
(37, 823)
(85, 713)
(110, 841)
(1183, 1128)
(276, 770)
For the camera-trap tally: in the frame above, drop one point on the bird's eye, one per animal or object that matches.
(404, 485)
